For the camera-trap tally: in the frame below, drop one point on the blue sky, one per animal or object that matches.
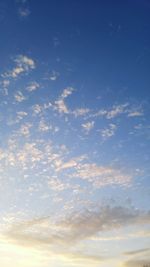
(74, 133)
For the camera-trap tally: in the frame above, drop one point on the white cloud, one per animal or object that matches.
(101, 176)
(135, 113)
(24, 12)
(88, 126)
(54, 75)
(25, 61)
(80, 112)
(43, 126)
(116, 110)
(77, 226)
(57, 185)
(37, 109)
(66, 92)
(60, 104)
(32, 86)
(23, 65)
(71, 163)
(25, 129)
(61, 107)
(108, 132)
(5, 83)
(19, 97)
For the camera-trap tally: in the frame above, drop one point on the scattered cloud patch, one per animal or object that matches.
(88, 126)
(32, 86)
(60, 104)
(116, 110)
(76, 226)
(25, 129)
(23, 65)
(101, 176)
(108, 132)
(54, 75)
(80, 112)
(24, 12)
(19, 97)
(135, 113)
(136, 252)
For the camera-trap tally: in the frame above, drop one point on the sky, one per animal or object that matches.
(74, 133)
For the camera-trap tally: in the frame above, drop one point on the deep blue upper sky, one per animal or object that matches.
(108, 39)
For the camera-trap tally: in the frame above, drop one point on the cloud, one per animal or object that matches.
(43, 126)
(108, 132)
(23, 8)
(112, 113)
(88, 126)
(5, 83)
(24, 12)
(137, 263)
(101, 176)
(116, 110)
(77, 226)
(37, 109)
(32, 86)
(135, 113)
(72, 163)
(25, 129)
(59, 104)
(40, 254)
(61, 107)
(80, 112)
(66, 92)
(139, 251)
(23, 65)
(57, 185)
(21, 115)
(19, 97)
(54, 75)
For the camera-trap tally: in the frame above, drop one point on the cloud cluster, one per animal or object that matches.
(75, 227)
(108, 132)
(23, 65)
(88, 126)
(59, 104)
(101, 176)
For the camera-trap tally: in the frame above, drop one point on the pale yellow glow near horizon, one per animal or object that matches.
(12, 255)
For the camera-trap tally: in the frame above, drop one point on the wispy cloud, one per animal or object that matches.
(54, 75)
(101, 176)
(139, 251)
(116, 110)
(88, 126)
(23, 8)
(136, 113)
(23, 65)
(80, 112)
(32, 86)
(59, 104)
(25, 129)
(76, 226)
(24, 12)
(108, 132)
(137, 262)
(19, 97)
